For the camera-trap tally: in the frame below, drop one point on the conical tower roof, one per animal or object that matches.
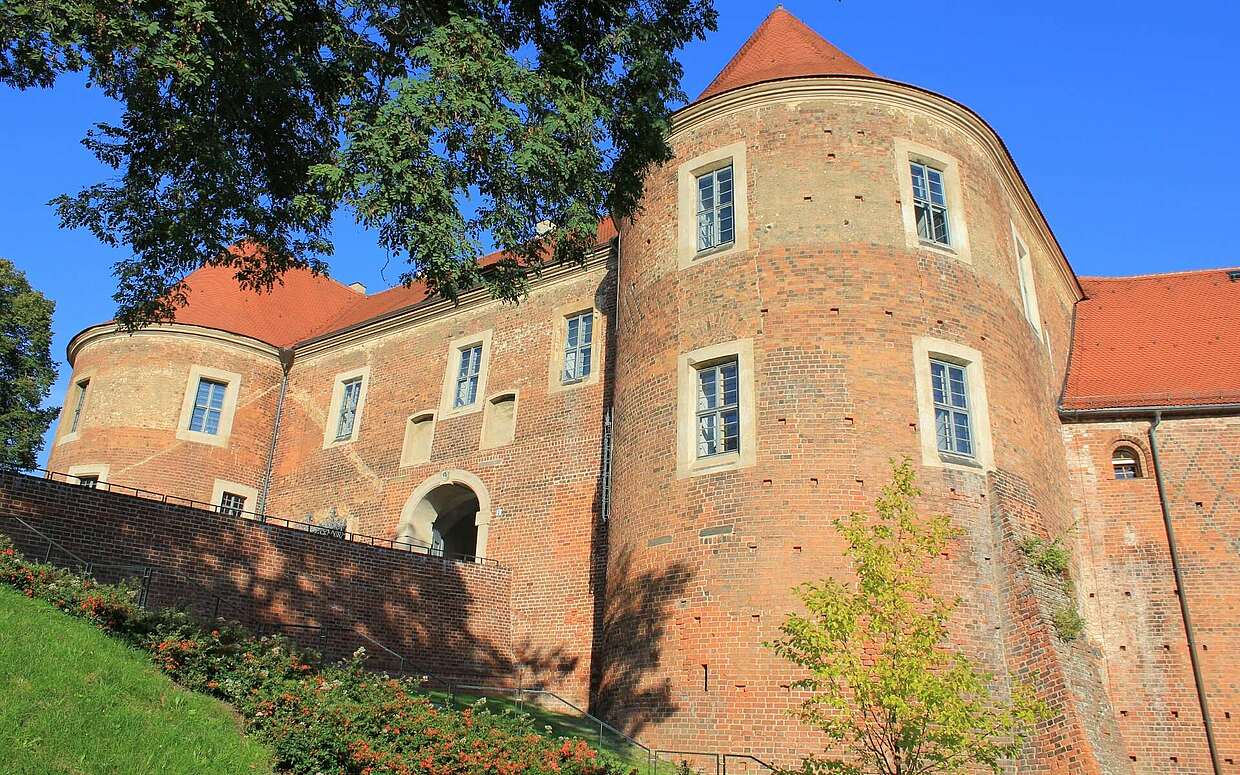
(782, 47)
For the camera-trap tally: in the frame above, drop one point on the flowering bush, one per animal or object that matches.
(316, 718)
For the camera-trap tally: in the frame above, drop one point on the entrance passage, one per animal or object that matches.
(444, 520)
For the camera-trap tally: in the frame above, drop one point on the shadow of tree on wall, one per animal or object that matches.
(632, 625)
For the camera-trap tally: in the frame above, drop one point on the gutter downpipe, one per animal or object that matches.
(286, 363)
(1180, 593)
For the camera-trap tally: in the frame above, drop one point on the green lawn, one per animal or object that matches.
(73, 700)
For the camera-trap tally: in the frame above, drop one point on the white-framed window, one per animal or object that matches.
(712, 205)
(930, 204)
(953, 414)
(78, 405)
(953, 428)
(343, 421)
(231, 504)
(931, 199)
(578, 347)
(718, 408)
(92, 475)
(468, 369)
(233, 499)
(1125, 463)
(208, 406)
(465, 375)
(348, 409)
(716, 212)
(1024, 279)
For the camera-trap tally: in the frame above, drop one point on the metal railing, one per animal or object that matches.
(720, 759)
(92, 568)
(412, 547)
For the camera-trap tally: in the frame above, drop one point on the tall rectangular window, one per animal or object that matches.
(348, 409)
(930, 204)
(578, 344)
(1024, 274)
(78, 405)
(467, 376)
(715, 211)
(952, 424)
(718, 412)
(232, 504)
(208, 403)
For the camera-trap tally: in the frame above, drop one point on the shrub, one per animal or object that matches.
(1051, 557)
(315, 717)
(1068, 622)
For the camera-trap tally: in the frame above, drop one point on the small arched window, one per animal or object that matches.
(1126, 464)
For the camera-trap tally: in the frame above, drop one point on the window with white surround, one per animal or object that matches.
(578, 347)
(88, 481)
(930, 204)
(953, 415)
(92, 475)
(1125, 463)
(465, 375)
(343, 422)
(79, 405)
(931, 200)
(348, 409)
(208, 407)
(712, 217)
(470, 366)
(716, 217)
(718, 409)
(232, 504)
(1024, 277)
(952, 426)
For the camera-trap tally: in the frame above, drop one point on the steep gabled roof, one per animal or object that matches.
(782, 47)
(1156, 340)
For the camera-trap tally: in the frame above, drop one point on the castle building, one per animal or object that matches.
(835, 271)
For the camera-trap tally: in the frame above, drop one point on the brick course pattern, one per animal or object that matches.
(447, 617)
(657, 616)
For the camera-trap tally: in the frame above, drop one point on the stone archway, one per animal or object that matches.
(449, 513)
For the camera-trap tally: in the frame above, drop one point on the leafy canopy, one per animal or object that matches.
(887, 688)
(436, 123)
(26, 368)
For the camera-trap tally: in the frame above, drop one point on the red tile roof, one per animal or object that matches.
(782, 47)
(302, 307)
(293, 310)
(1156, 340)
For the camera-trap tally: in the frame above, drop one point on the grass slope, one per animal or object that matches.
(73, 700)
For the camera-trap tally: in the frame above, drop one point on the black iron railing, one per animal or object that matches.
(412, 547)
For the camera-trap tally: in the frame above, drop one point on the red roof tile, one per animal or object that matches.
(303, 306)
(782, 47)
(290, 312)
(1156, 340)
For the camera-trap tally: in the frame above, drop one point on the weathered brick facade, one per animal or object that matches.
(658, 615)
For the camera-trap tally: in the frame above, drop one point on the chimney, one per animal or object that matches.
(357, 288)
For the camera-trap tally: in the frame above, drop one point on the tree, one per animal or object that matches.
(887, 688)
(26, 368)
(437, 124)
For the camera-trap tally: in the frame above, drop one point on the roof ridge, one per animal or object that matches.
(1153, 275)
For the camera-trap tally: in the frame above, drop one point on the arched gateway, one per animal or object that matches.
(450, 513)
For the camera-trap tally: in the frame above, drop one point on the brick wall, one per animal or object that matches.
(447, 617)
(1129, 590)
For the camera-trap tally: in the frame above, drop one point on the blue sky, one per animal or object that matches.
(1123, 118)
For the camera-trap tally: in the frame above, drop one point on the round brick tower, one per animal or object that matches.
(825, 245)
(188, 408)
